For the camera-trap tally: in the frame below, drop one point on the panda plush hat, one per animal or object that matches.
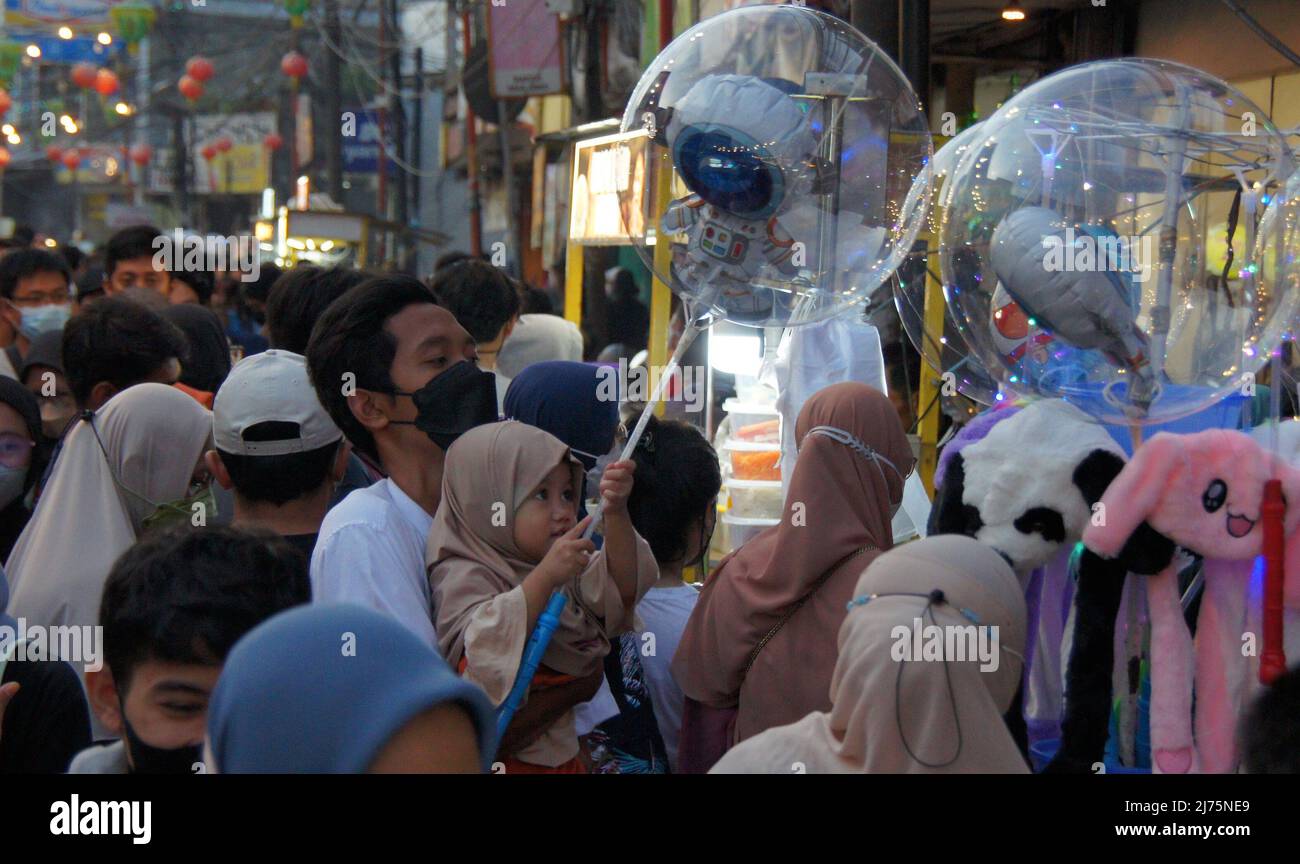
(1027, 489)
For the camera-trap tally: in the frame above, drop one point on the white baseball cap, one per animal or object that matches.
(270, 387)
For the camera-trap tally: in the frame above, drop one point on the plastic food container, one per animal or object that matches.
(762, 421)
(753, 461)
(755, 499)
(741, 530)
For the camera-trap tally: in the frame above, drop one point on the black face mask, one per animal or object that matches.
(453, 403)
(148, 759)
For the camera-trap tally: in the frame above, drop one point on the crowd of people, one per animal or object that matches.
(307, 523)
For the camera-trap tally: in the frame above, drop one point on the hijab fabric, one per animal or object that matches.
(291, 700)
(564, 398)
(836, 519)
(880, 723)
(153, 435)
(209, 360)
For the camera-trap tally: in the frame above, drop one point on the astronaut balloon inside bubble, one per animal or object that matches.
(796, 172)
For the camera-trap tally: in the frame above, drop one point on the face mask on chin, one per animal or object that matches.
(53, 421)
(453, 403)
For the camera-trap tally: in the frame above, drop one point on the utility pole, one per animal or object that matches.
(417, 127)
(333, 103)
(471, 146)
(398, 112)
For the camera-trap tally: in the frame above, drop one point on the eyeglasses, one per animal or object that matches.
(15, 450)
(43, 298)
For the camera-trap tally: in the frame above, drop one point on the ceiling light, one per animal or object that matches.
(1013, 12)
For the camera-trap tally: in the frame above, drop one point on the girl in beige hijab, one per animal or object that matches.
(505, 536)
(893, 712)
(140, 451)
(759, 648)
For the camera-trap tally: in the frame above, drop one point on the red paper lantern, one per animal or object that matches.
(294, 65)
(140, 154)
(209, 152)
(273, 141)
(5, 102)
(223, 145)
(71, 159)
(4, 157)
(190, 88)
(106, 82)
(84, 75)
(199, 68)
(54, 153)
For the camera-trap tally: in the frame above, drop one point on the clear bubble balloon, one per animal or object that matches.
(1274, 268)
(1074, 243)
(947, 352)
(773, 152)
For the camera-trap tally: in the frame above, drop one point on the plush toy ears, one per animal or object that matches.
(1134, 494)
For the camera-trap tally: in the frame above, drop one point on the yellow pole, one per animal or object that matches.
(930, 382)
(573, 284)
(660, 294)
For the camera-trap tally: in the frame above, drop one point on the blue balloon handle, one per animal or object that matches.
(547, 622)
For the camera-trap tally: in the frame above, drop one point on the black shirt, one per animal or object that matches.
(48, 721)
(304, 543)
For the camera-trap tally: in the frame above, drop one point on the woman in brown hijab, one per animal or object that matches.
(760, 647)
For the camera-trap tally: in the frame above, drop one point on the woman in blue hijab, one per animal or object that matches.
(575, 402)
(341, 689)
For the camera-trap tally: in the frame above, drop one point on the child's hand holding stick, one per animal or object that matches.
(569, 555)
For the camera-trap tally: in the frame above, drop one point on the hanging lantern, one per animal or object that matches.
(294, 65)
(84, 75)
(71, 159)
(223, 145)
(296, 9)
(133, 22)
(106, 83)
(209, 152)
(4, 157)
(5, 102)
(200, 69)
(140, 154)
(54, 153)
(190, 88)
(273, 142)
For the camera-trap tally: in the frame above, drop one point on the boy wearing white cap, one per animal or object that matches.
(276, 448)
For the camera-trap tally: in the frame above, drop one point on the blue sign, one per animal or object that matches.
(361, 150)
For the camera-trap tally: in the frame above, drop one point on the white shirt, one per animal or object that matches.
(370, 551)
(664, 612)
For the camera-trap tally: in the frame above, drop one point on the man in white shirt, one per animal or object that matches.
(399, 376)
